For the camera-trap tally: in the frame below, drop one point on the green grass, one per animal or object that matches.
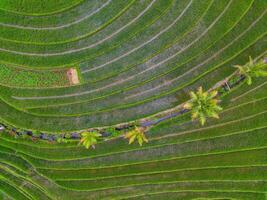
(18, 77)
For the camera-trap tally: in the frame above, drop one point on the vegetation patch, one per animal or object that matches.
(20, 77)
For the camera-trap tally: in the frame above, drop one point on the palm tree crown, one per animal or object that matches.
(252, 69)
(203, 105)
(89, 139)
(137, 133)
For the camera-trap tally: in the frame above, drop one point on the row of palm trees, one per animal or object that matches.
(205, 104)
(90, 138)
(202, 104)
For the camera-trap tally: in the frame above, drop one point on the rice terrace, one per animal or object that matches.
(133, 99)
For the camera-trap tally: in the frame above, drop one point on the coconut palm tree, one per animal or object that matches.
(89, 139)
(136, 134)
(203, 105)
(252, 69)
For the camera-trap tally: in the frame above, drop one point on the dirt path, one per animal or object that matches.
(73, 76)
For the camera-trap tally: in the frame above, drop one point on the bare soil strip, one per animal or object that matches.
(73, 76)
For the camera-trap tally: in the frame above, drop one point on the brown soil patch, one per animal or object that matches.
(73, 76)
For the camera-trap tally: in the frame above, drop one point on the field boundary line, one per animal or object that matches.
(58, 27)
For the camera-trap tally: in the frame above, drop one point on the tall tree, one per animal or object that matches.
(89, 139)
(252, 69)
(136, 134)
(203, 105)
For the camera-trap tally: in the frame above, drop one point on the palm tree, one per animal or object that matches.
(203, 105)
(89, 139)
(252, 69)
(137, 133)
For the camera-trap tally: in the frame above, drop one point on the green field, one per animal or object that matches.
(137, 61)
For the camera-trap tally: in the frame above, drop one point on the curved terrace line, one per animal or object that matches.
(18, 190)
(205, 194)
(142, 45)
(75, 39)
(231, 108)
(155, 172)
(43, 14)
(84, 48)
(118, 166)
(58, 27)
(163, 172)
(131, 77)
(212, 126)
(138, 149)
(199, 65)
(145, 148)
(80, 114)
(142, 163)
(168, 82)
(31, 182)
(24, 87)
(249, 91)
(152, 161)
(176, 182)
(189, 131)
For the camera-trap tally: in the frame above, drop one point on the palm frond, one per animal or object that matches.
(252, 69)
(137, 133)
(89, 139)
(203, 105)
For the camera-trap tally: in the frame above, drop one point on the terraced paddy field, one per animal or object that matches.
(107, 66)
